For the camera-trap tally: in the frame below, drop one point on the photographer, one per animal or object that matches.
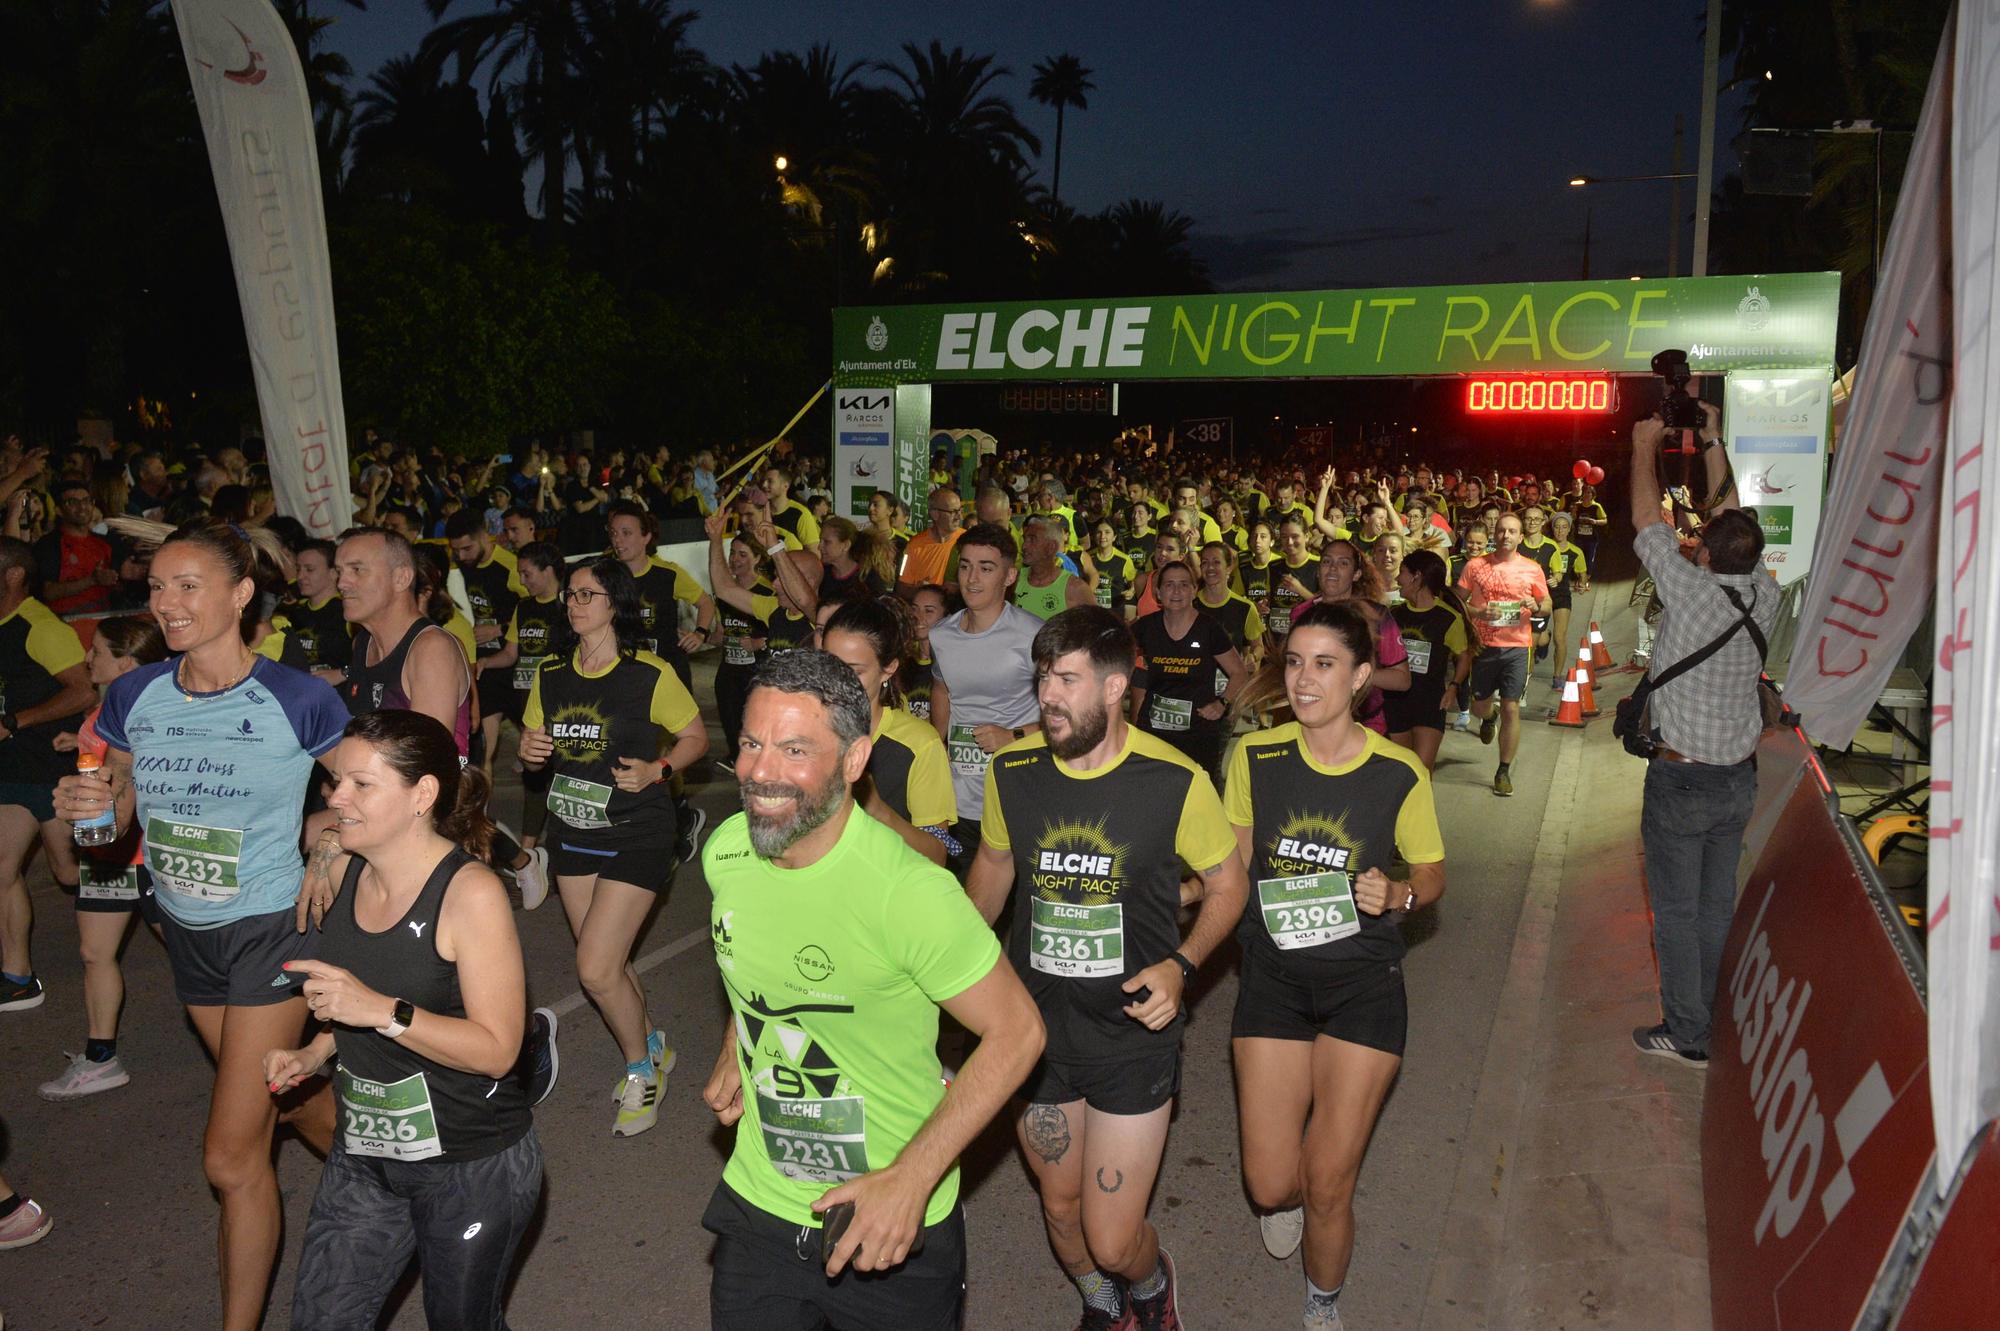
(1718, 604)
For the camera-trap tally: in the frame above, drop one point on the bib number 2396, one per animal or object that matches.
(1076, 942)
(1310, 910)
(192, 860)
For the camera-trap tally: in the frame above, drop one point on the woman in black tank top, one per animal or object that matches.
(420, 982)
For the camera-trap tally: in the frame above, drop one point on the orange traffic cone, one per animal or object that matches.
(1570, 713)
(1583, 688)
(1600, 655)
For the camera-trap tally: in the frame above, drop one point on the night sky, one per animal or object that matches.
(1315, 145)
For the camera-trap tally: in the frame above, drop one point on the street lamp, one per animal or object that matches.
(781, 162)
(1674, 218)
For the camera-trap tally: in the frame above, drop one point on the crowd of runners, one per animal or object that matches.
(1103, 714)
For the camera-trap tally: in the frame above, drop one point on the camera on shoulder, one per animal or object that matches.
(1680, 410)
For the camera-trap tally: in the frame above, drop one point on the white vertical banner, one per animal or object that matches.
(864, 448)
(1777, 441)
(251, 93)
(1875, 567)
(1965, 691)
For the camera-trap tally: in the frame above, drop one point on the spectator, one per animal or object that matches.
(77, 567)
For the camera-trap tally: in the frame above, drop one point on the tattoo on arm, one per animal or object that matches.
(1046, 1128)
(1117, 1180)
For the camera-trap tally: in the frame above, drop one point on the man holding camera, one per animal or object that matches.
(1704, 717)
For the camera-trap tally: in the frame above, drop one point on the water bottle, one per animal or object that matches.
(101, 829)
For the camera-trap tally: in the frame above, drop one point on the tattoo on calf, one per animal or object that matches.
(1117, 1180)
(1047, 1129)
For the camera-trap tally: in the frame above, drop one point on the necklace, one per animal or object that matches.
(188, 690)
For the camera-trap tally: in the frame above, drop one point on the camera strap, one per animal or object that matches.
(1695, 658)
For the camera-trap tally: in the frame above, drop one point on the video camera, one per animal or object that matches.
(1679, 409)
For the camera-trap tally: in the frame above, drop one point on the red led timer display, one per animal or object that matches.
(1540, 394)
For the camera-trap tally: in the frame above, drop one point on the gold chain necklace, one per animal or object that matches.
(188, 691)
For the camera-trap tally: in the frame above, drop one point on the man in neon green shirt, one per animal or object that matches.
(837, 944)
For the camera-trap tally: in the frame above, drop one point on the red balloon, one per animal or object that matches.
(1580, 469)
(1595, 476)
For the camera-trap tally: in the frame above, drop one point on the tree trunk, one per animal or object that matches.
(1056, 190)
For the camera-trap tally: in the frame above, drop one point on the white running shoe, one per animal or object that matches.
(638, 1105)
(533, 878)
(1322, 1315)
(690, 838)
(1282, 1231)
(83, 1077)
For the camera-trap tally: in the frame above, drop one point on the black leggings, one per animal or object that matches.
(732, 691)
(462, 1219)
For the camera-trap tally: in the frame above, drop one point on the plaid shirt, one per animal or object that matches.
(1710, 714)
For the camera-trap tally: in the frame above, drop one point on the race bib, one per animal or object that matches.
(392, 1121)
(815, 1141)
(967, 758)
(1170, 713)
(737, 652)
(1420, 655)
(1504, 614)
(98, 881)
(1076, 942)
(1221, 683)
(579, 803)
(1307, 911)
(1104, 590)
(524, 672)
(194, 861)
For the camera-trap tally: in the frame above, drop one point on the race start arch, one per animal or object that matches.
(1771, 337)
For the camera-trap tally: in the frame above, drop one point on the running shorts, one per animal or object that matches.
(239, 964)
(1125, 1086)
(1359, 1001)
(640, 852)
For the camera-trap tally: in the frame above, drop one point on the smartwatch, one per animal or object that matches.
(400, 1018)
(1187, 967)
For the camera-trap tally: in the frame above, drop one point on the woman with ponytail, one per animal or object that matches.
(420, 988)
(226, 741)
(1437, 636)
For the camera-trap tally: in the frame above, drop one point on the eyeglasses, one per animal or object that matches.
(583, 595)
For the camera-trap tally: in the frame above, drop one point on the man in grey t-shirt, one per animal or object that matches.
(983, 670)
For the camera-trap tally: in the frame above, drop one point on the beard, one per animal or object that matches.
(1086, 730)
(771, 837)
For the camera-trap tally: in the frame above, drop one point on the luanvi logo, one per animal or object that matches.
(252, 72)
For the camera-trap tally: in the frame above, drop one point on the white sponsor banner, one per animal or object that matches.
(1965, 691)
(252, 97)
(1874, 569)
(864, 447)
(1777, 442)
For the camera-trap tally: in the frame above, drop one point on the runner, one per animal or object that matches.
(531, 635)
(982, 672)
(112, 880)
(1255, 573)
(909, 777)
(597, 717)
(436, 1152)
(44, 689)
(22, 1219)
(221, 806)
(745, 569)
(1387, 556)
(1189, 672)
(1345, 576)
(1294, 575)
(928, 556)
(1168, 548)
(1237, 615)
(836, 946)
(1044, 587)
(857, 563)
(313, 620)
(1536, 545)
(1097, 819)
(1570, 575)
(1322, 809)
(1115, 574)
(662, 586)
(1501, 590)
(492, 589)
(930, 604)
(1432, 623)
(401, 659)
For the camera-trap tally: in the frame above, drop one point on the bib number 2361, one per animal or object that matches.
(1076, 942)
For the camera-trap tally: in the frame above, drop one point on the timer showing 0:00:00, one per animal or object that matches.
(1540, 393)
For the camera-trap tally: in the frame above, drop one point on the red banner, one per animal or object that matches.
(1816, 1125)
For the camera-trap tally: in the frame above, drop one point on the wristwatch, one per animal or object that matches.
(1410, 901)
(1018, 732)
(13, 722)
(1187, 967)
(400, 1018)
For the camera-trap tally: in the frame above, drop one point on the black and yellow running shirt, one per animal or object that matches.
(1433, 638)
(1283, 598)
(491, 591)
(35, 647)
(534, 629)
(1239, 618)
(916, 682)
(1314, 830)
(320, 634)
(1256, 579)
(1098, 857)
(661, 585)
(910, 770)
(1180, 675)
(1114, 577)
(1543, 552)
(1567, 567)
(626, 710)
(743, 632)
(279, 645)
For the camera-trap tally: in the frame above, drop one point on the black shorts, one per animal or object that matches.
(1559, 598)
(768, 1277)
(640, 852)
(1127, 1086)
(37, 797)
(1403, 712)
(497, 696)
(1361, 1002)
(239, 964)
(102, 897)
(1501, 670)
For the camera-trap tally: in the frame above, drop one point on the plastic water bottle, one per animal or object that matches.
(102, 829)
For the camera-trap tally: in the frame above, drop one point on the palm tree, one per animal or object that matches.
(1149, 246)
(951, 108)
(1061, 81)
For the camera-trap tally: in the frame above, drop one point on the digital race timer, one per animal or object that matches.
(1548, 394)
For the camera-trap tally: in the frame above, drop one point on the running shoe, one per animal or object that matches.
(541, 1060)
(638, 1105)
(1503, 782)
(29, 1223)
(1490, 725)
(83, 1077)
(19, 997)
(1096, 1319)
(1282, 1231)
(533, 878)
(1656, 1040)
(690, 840)
(506, 831)
(726, 765)
(1322, 1314)
(662, 1055)
(1162, 1312)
